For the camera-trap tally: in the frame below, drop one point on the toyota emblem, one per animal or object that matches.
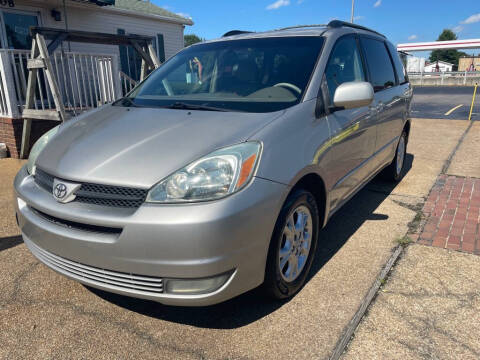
(64, 191)
(60, 191)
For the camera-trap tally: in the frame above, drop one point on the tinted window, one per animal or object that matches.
(344, 65)
(399, 68)
(254, 75)
(379, 64)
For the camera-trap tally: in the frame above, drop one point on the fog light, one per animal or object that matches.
(196, 286)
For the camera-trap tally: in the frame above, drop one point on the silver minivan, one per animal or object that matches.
(217, 172)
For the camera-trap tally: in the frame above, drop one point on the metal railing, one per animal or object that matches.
(85, 81)
(4, 99)
(127, 83)
(445, 78)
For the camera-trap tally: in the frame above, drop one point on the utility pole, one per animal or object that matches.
(353, 10)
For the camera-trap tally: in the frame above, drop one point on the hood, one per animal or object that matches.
(138, 147)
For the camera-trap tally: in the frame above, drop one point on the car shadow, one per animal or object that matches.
(253, 305)
(9, 242)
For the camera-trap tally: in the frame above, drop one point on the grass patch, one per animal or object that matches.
(404, 241)
(415, 223)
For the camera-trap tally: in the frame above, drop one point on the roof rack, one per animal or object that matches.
(332, 24)
(236, 32)
(339, 23)
(302, 26)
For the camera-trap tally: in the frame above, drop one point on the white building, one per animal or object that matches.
(415, 64)
(88, 75)
(121, 17)
(438, 66)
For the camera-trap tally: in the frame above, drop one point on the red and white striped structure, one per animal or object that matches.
(440, 45)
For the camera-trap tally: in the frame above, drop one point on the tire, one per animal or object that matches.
(394, 171)
(280, 283)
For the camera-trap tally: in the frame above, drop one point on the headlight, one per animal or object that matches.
(38, 147)
(216, 175)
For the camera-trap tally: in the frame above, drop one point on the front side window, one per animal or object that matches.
(253, 75)
(344, 65)
(379, 64)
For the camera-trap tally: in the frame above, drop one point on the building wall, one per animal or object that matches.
(465, 62)
(415, 64)
(11, 133)
(98, 19)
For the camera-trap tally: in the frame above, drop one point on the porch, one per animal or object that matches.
(88, 74)
(85, 81)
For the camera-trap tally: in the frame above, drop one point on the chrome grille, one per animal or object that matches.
(76, 225)
(98, 194)
(44, 180)
(147, 285)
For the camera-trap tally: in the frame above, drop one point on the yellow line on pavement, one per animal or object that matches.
(453, 109)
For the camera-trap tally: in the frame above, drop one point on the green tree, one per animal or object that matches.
(191, 39)
(450, 56)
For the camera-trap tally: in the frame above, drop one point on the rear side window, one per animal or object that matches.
(399, 68)
(344, 65)
(382, 75)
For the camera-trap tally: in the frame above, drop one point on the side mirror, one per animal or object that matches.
(353, 94)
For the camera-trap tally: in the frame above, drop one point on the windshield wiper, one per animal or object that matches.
(127, 102)
(185, 106)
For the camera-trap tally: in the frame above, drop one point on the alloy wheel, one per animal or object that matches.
(295, 243)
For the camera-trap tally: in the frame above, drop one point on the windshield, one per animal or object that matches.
(253, 75)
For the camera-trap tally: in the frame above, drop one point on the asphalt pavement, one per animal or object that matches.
(445, 102)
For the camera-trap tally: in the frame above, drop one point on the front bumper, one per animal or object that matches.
(154, 242)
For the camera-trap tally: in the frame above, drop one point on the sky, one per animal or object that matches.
(401, 21)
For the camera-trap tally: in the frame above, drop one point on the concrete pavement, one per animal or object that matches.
(431, 142)
(466, 161)
(428, 309)
(45, 315)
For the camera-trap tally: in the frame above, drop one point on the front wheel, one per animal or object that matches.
(293, 245)
(394, 171)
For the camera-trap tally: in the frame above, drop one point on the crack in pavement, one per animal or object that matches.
(17, 282)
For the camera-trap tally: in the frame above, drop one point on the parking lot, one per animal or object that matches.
(44, 315)
(447, 102)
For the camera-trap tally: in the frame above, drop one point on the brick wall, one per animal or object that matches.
(11, 133)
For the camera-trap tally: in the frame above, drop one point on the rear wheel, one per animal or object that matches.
(394, 171)
(293, 245)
